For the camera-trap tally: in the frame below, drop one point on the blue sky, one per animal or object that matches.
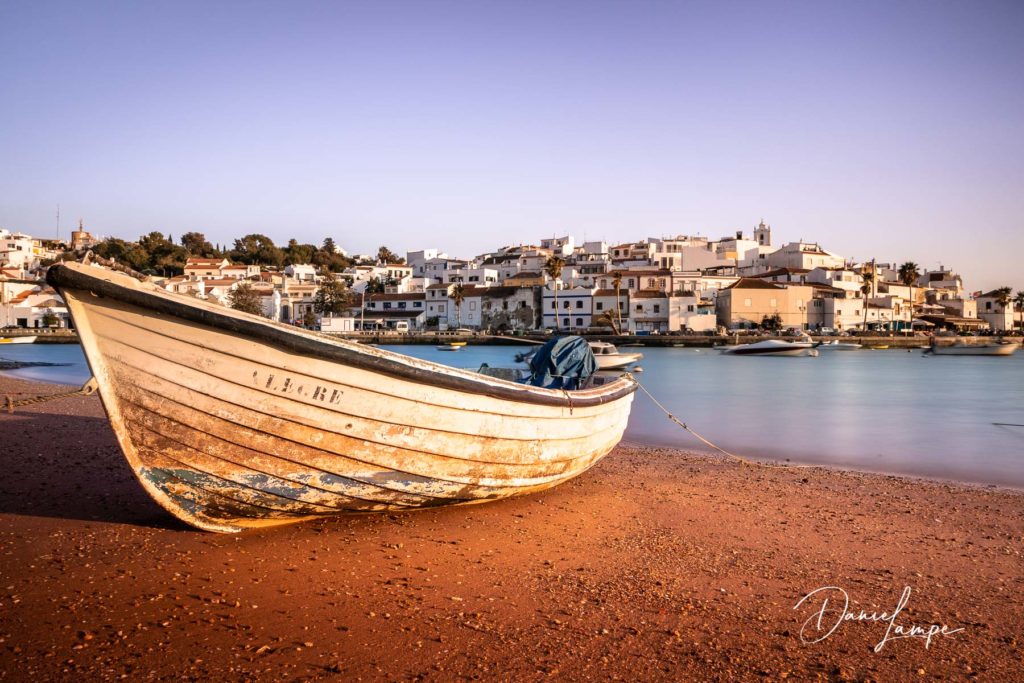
(888, 130)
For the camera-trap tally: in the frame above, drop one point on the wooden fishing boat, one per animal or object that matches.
(231, 421)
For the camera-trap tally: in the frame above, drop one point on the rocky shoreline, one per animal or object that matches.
(654, 565)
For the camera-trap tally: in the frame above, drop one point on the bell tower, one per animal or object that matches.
(763, 235)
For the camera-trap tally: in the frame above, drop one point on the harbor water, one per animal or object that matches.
(889, 411)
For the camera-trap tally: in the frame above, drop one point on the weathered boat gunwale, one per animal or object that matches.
(63, 277)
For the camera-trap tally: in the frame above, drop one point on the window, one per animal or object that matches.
(417, 304)
(552, 304)
(401, 304)
(774, 303)
(639, 308)
(599, 305)
(689, 308)
(565, 322)
(565, 304)
(579, 303)
(387, 304)
(579, 322)
(657, 308)
(629, 283)
(746, 302)
(472, 305)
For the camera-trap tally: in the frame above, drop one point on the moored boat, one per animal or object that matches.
(772, 347)
(231, 421)
(610, 358)
(26, 339)
(962, 349)
(836, 345)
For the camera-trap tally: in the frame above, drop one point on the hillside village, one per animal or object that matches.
(682, 284)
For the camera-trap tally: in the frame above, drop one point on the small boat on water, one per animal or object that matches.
(836, 345)
(962, 349)
(610, 358)
(231, 421)
(451, 347)
(27, 339)
(772, 347)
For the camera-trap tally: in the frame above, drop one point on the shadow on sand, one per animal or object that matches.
(70, 467)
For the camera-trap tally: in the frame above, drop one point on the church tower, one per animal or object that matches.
(763, 235)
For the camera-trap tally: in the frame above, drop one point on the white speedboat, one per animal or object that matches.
(961, 349)
(18, 340)
(836, 345)
(610, 358)
(772, 347)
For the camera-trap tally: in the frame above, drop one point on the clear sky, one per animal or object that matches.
(880, 129)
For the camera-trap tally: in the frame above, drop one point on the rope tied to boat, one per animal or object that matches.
(87, 389)
(687, 427)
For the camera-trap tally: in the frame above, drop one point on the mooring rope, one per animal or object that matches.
(687, 427)
(88, 389)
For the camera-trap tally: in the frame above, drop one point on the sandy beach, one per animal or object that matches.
(655, 565)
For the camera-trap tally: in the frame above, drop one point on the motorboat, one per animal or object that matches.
(772, 347)
(231, 421)
(27, 339)
(836, 345)
(610, 358)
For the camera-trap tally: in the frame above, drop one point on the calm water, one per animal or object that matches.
(887, 411)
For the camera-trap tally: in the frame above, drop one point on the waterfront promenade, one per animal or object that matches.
(655, 565)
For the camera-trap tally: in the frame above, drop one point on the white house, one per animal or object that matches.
(574, 308)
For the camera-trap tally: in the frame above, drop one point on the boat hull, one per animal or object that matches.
(18, 340)
(771, 348)
(232, 422)
(975, 350)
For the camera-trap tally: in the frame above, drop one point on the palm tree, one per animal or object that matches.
(908, 276)
(1003, 296)
(458, 296)
(1018, 300)
(617, 281)
(553, 267)
(865, 289)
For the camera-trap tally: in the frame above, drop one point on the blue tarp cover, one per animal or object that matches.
(563, 363)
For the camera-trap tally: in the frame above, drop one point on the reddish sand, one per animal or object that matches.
(655, 565)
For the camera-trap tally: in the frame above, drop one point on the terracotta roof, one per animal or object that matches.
(650, 294)
(753, 283)
(403, 296)
(783, 271)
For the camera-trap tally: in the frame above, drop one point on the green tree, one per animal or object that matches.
(458, 296)
(772, 323)
(297, 254)
(1018, 301)
(196, 244)
(50, 318)
(244, 298)
(553, 267)
(374, 286)
(617, 281)
(257, 249)
(328, 258)
(333, 297)
(1003, 296)
(386, 256)
(309, 319)
(908, 274)
(865, 290)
